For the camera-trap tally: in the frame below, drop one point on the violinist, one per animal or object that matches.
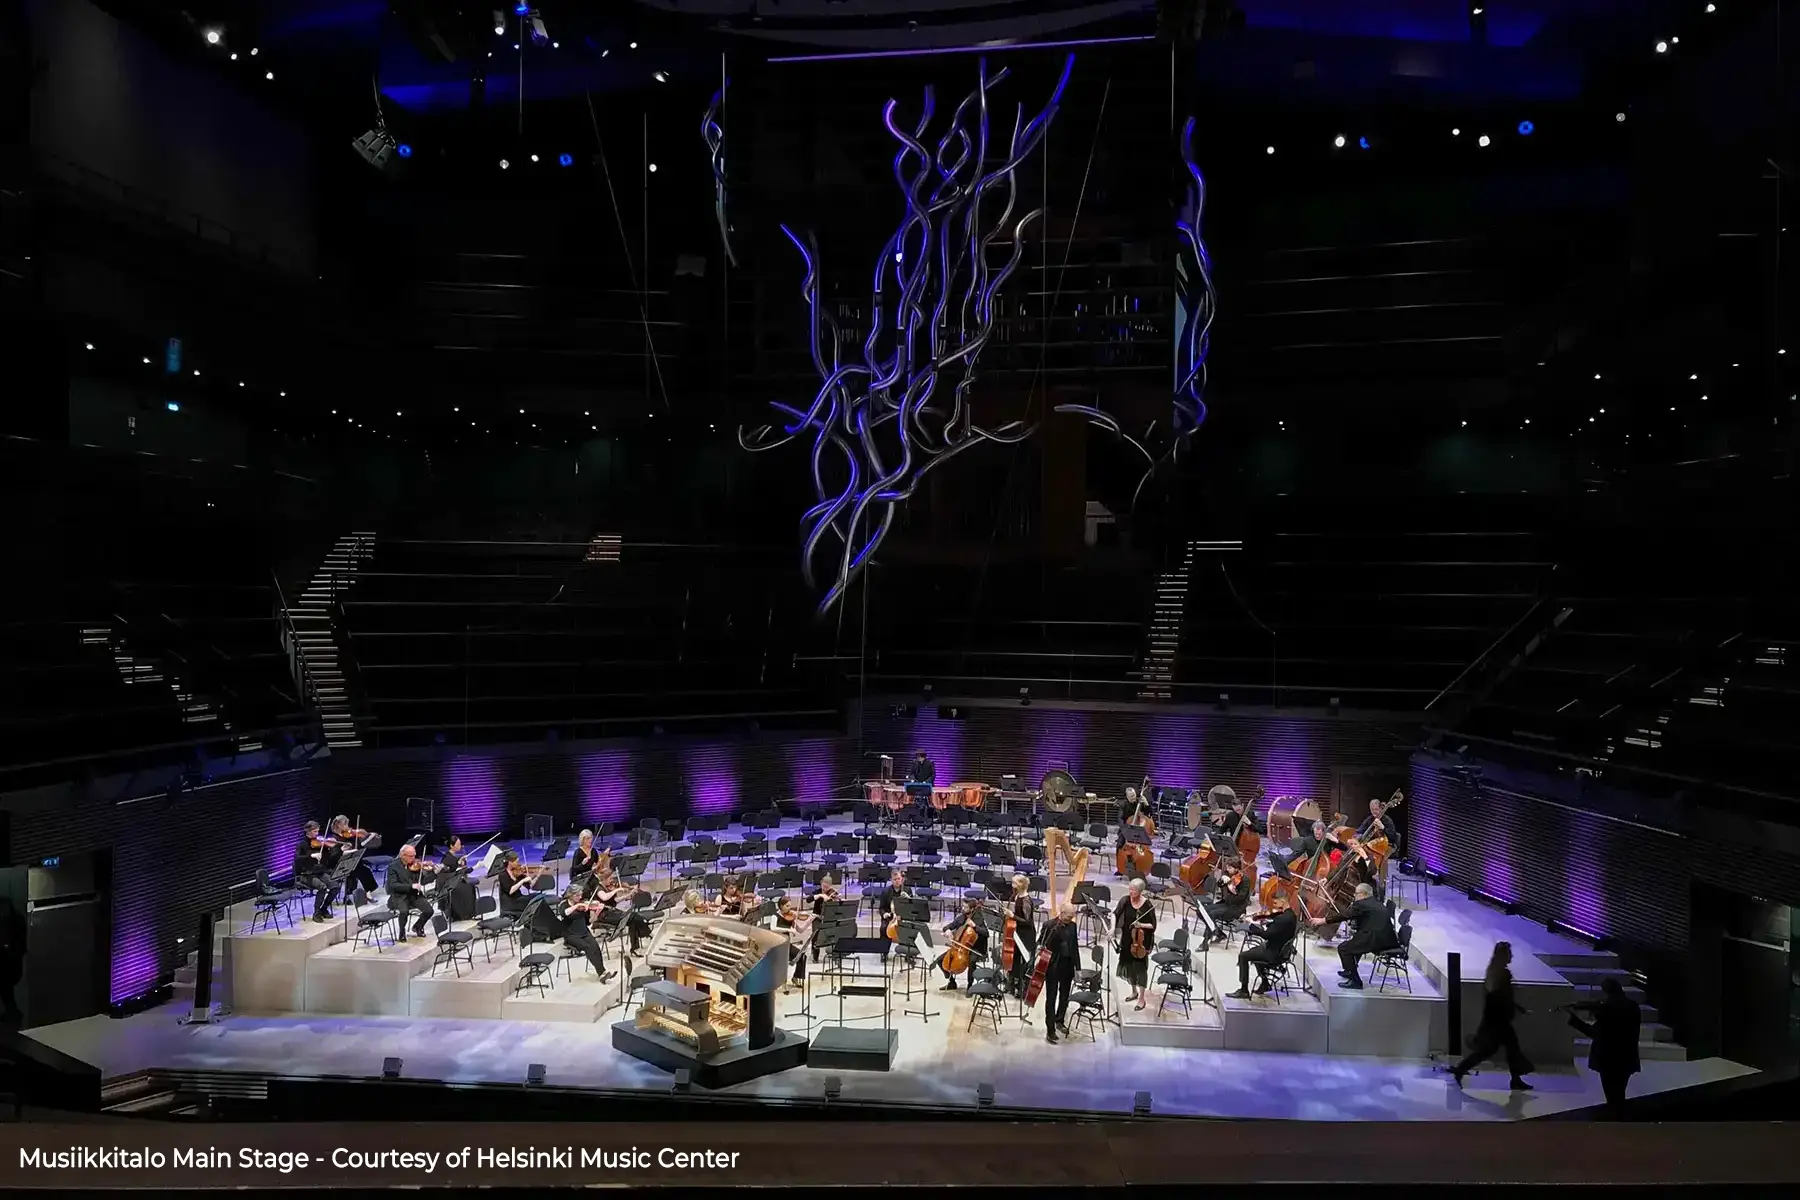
(1373, 933)
(1025, 930)
(608, 891)
(312, 869)
(1135, 913)
(347, 838)
(1063, 941)
(455, 891)
(733, 900)
(694, 904)
(798, 925)
(1231, 899)
(827, 894)
(515, 886)
(585, 857)
(406, 877)
(1274, 932)
(971, 918)
(572, 915)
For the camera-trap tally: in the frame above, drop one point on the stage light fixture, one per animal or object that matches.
(653, 168)
(268, 74)
(1619, 117)
(534, 1074)
(984, 1095)
(212, 37)
(253, 52)
(682, 1080)
(1528, 420)
(1662, 47)
(834, 1087)
(1465, 424)
(1596, 376)
(1140, 1101)
(1338, 141)
(403, 150)
(89, 345)
(500, 30)
(504, 164)
(521, 9)
(1603, 412)
(1270, 150)
(633, 46)
(173, 406)
(534, 158)
(283, 395)
(196, 373)
(1712, 8)
(660, 76)
(1363, 142)
(1483, 140)
(1456, 133)
(146, 362)
(567, 160)
(377, 146)
(234, 56)
(1526, 129)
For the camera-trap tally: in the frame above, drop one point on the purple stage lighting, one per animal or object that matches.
(474, 800)
(712, 780)
(606, 787)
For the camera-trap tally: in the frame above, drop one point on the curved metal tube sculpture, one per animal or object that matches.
(933, 311)
(713, 134)
(1196, 302)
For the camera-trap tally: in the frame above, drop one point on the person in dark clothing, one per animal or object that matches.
(896, 890)
(515, 885)
(573, 915)
(1064, 943)
(585, 859)
(406, 890)
(1025, 929)
(13, 935)
(312, 870)
(977, 952)
(1275, 931)
(455, 892)
(1374, 933)
(1232, 899)
(1240, 813)
(923, 771)
(1135, 913)
(1613, 1026)
(1498, 1008)
(362, 878)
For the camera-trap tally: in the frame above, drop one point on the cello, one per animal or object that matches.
(957, 958)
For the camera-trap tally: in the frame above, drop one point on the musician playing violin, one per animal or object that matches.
(733, 900)
(352, 839)
(515, 885)
(585, 857)
(313, 858)
(1230, 899)
(795, 920)
(455, 891)
(1135, 912)
(406, 879)
(573, 914)
(606, 889)
(971, 917)
(1273, 932)
(827, 894)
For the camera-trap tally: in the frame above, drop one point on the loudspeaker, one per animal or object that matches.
(390, 1068)
(1140, 1104)
(203, 967)
(1453, 993)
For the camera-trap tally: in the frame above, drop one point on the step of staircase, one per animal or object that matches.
(315, 636)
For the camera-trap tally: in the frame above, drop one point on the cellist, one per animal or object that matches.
(1025, 929)
(971, 918)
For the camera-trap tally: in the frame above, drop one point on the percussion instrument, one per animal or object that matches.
(887, 795)
(970, 795)
(1291, 817)
(1059, 791)
(946, 797)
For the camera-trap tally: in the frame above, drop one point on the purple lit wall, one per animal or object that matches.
(1286, 761)
(474, 797)
(1175, 748)
(812, 765)
(940, 739)
(712, 780)
(606, 787)
(1426, 817)
(1586, 875)
(1059, 739)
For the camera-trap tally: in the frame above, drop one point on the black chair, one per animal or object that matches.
(271, 904)
(986, 993)
(1284, 976)
(1176, 979)
(369, 926)
(454, 946)
(492, 925)
(1395, 965)
(1172, 950)
(537, 973)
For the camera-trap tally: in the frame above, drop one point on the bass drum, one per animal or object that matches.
(1291, 817)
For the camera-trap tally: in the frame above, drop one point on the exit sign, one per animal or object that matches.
(55, 860)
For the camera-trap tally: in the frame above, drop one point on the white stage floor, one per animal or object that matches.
(942, 1060)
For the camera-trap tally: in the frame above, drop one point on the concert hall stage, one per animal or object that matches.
(1323, 1055)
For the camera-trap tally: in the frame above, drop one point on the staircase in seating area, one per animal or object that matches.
(315, 637)
(1166, 616)
(1586, 970)
(198, 713)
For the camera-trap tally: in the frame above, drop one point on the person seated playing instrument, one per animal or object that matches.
(896, 890)
(1133, 810)
(1135, 913)
(957, 929)
(1320, 836)
(350, 839)
(1379, 825)
(572, 915)
(312, 870)
(694, 904)
(733, 900)
(1240, 810)
(1230, 900)
(1274, 932)
(795, 920)
(1374, 932)
(611, 893)
(455, 892)
(586, 856)
(406, 890)
(515, 885)
(827, 894)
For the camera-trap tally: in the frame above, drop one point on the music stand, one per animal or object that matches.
(1134, 835)
(421, 813)
(913, 947)
(346, 866)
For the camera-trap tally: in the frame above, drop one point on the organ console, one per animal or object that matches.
(718, 988)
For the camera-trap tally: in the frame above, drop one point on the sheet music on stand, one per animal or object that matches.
(340, 874)
(489, 864)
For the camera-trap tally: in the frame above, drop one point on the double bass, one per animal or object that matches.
(1134, 857)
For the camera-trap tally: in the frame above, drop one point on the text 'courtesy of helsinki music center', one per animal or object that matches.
(633, 1158)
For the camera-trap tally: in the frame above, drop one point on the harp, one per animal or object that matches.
(1074, 862)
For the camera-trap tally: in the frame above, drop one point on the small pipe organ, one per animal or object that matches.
(721, 977)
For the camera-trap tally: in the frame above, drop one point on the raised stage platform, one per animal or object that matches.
(304, 1003)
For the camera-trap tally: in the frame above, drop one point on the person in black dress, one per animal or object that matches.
(791, 918)
(1064, 943)
(1374, 932)
(1135, 911)
(406, 878)
(977, 952)
(1274, 933)
(573, 914)
(1613, 1026)
(515, 886)
(455, 891)
(1025, 929)
(605, 888)
(1498, 1008)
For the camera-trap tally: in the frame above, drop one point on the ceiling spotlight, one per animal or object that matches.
(403, 150)
(604, 53)
(172, 406)
(1619, 116)
(1270, 150)
(1596, 377)
(556, 45)
(1712, 8)
(1603, 412)
(234, 56)
(196, 372)
(1483, 140)
(456, 408)
(1528, 420)
(212, 37)
(253, 52)
(334, 412)
(1338, 141)
(653, 168)
(633, 46)
(1363, 142)
(1456, 133)
(90, 345)
(1526, 129)
(146, 362)
(500, 29)
(521, 412)
(521, 9)
(504, 164)
(1465, 424)
(268, 74)
(1662, 47)
(240, 383)
(283, 395)
(566, 159)
(660, 76)
(534, 158)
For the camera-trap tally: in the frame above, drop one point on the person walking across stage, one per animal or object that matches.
(1613, 1025)
(1064, 944)
(1498, 1008)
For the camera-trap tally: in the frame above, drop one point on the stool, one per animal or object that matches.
(537, 973)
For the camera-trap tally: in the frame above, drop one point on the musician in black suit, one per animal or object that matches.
(1379, 825)
(1064, 943)
(971, 916)
(1613, 1025)
(1374, 932)
(406, 877)
(312, 870)
(923, 771)
(896, 890)
(573, 913)
(1275, 931)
